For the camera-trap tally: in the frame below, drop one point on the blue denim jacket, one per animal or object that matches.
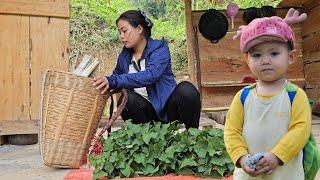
(158, 77)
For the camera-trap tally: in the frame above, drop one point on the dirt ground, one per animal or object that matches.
(25, 163)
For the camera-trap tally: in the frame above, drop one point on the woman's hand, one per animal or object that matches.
(101, 83)
(268, 163)
(246, 168)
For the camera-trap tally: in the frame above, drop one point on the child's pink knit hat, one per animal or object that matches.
(269, 29)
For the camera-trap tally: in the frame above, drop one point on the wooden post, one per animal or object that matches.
(2, 140)
(190, 42)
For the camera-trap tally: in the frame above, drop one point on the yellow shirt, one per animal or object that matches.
(287, 147)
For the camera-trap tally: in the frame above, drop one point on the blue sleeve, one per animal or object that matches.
(157, 64)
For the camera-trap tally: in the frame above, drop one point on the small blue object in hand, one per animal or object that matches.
(252, 161)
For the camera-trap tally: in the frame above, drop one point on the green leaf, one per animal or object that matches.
(215, 174)
(107, 145)
(99, 163)
(151, 159)
(108, 167)
(92, 159)
(217, 143)
(127, 171)
(201, 151)
(202, 168)
(140, 158)
(138, 173)
(130, 133)
(164, 128)
(211, 152)
(99, 174)
(185, 171)
(226, 157)
(156, 127)
(173, 166)
(121, 165)
(208, 171)
(118, 134)
(137, 142)
(217, 161)
(136, 128)
(130, 161)
(203, 161)
(154, 135)
(230, 167)
(145, 128)
(221, 169)
(188, 162)
(194, 131)
(180, 147)
(150, 169)
(216, 132)
(129, 146)
(128, 124)
(113, 158)
(170, 151)
(164, 158)
(146, 138)
(134, 149)
(187, 140)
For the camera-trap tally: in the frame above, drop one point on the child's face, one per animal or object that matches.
(269, 61)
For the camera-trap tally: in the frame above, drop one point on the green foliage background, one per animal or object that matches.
(94, 32)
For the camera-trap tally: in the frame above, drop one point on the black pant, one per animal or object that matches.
(183, 105)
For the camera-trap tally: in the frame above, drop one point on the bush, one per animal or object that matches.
(93, 28)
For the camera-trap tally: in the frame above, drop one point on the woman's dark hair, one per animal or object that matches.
(136, 18)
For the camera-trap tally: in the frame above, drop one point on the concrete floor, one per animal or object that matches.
(25, 163)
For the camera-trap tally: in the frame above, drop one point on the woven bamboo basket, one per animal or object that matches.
(70, 114)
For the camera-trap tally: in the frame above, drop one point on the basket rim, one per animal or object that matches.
(65, 72)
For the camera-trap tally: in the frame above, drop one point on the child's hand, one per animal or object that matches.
(246, 168)
(267, 164)
(101, 82)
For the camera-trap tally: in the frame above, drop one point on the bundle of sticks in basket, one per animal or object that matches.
(83, 68)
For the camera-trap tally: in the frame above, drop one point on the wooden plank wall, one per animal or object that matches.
(222, 65)
(310, 48)
(34, 36)
(52, 8)
(292, 3)
(14, 67)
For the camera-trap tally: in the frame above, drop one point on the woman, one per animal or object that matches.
(144, 68)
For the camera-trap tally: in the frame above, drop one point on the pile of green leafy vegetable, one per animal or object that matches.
(159, 149)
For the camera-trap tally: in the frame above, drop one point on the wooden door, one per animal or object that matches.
(34, 36)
